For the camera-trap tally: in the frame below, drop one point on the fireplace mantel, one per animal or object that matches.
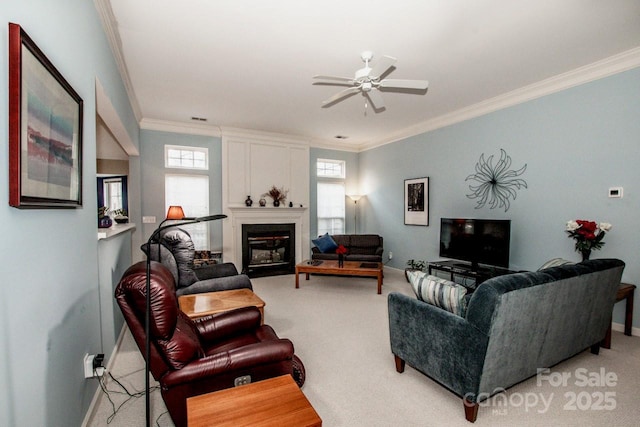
(239, 215)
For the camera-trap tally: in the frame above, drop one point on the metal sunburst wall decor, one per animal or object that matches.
(496, 183)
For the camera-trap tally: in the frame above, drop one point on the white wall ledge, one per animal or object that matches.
(114, 230)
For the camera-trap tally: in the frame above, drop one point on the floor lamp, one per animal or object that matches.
(355, 198)
(177, 214)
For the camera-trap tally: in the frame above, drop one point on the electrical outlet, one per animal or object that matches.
(88, 365)
(93, 365)
(243, 380)
(390, 255)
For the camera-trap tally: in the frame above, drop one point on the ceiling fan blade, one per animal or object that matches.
(376, 99)
(404, 84)
(336, 78)
(381, 66)
(340, 95)
(333, 83)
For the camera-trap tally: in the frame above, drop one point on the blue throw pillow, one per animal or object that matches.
(325, 244)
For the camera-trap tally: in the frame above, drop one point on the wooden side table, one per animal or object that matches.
(625, 291)
(276, 402)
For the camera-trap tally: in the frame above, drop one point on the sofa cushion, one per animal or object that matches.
(369, 241)
(325, 243)
(439, 292)
(181, 246)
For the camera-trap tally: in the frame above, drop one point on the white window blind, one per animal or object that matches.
(192, 193)
(331, 210)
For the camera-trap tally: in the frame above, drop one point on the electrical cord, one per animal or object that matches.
(136, 394)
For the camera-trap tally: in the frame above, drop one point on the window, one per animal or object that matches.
(192, 193)
(330, 168)
(331, 196)
(113, 193)
(176, 156)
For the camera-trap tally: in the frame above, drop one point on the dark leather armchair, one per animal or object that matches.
(192, 357)
(175, 250)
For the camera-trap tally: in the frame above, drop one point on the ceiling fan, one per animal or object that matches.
(367, 81)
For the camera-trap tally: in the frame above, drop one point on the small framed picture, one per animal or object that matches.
(45, 130)
(416, 201)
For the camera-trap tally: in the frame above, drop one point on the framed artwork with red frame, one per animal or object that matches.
(45, 130)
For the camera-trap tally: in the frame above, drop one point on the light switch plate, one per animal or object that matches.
(148, 219)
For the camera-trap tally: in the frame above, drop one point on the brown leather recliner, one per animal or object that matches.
(192, 357)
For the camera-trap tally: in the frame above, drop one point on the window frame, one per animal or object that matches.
(343, 169)
(107, 195)
(332, 179)
(186, 148)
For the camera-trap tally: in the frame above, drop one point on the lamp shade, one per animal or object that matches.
(175, 212)
(355, 197)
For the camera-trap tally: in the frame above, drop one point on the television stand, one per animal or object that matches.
(463, 269)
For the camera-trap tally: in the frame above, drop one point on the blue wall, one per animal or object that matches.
(153, 171)
(49, 301)
(576, 144)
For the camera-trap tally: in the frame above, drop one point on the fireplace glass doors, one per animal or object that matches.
(268, 249)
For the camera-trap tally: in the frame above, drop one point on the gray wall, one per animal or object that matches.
(153, 172)
(576, 144)
(49, 300)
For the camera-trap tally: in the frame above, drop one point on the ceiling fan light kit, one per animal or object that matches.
(367, 81)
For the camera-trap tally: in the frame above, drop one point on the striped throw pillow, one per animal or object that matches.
(439, 292)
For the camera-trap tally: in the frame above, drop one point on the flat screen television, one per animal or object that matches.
(478, 241)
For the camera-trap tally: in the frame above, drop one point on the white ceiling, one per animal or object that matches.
(249, 63)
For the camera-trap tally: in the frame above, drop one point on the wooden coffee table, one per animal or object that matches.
(350, 268)
(276, 402)
(200, 305)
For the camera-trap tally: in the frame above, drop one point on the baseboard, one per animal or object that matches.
(620, 328)
(94, 402)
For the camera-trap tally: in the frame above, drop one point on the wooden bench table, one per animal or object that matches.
(276, 402)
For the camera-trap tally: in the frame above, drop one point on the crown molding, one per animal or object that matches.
(262, 136)
(609, 66)
(340, 146)
(113, 37)
(179, 127)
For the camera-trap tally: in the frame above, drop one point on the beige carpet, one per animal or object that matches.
(340, 331)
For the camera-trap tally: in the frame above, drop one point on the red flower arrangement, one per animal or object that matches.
(587, 234)
(341, 250)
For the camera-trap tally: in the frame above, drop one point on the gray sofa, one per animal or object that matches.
(514, 324)
(360, 247)
(175, 250)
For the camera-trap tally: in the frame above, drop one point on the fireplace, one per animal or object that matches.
(268, 249)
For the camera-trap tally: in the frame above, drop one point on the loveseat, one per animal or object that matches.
(512, 326)
(360, 247)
